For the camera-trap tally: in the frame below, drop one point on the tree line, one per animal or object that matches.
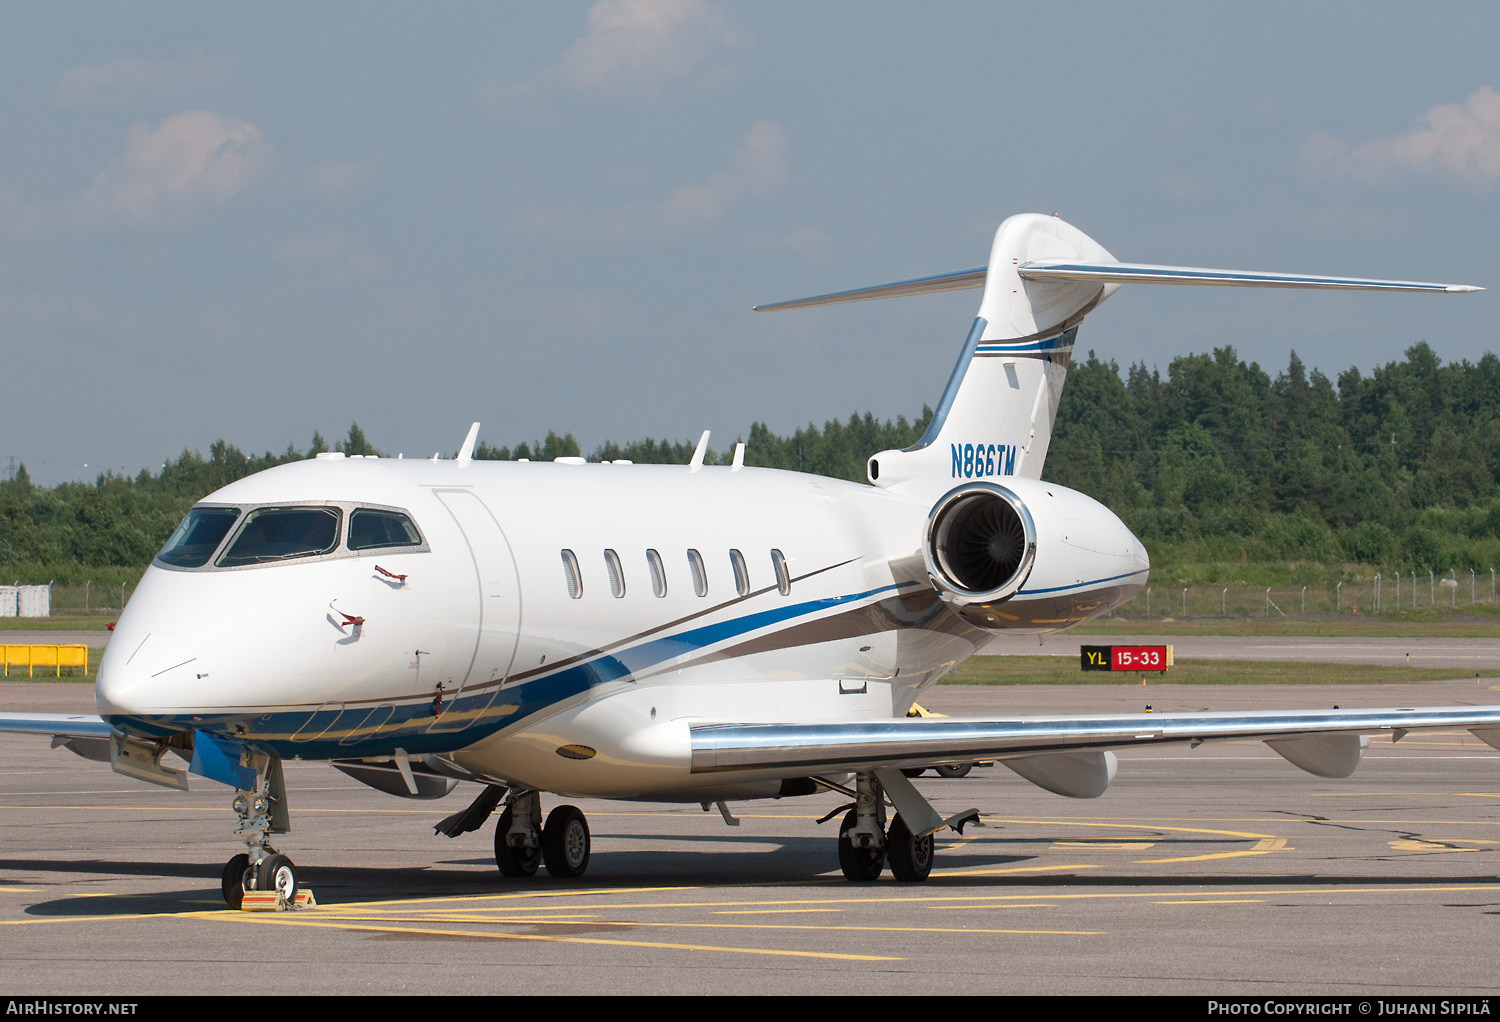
(1213, 462)
(1218, 462)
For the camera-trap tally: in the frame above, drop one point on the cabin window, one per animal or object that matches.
(700, 577)
(281, 533)
(198, 536)
(783, 575)
(658, 574)
(570, 572)
(741, 573)
(369, 529)
(616, 574)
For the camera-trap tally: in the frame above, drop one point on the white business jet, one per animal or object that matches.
(670, 633)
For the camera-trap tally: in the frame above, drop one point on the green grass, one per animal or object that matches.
(59, 622)
(1057, 670)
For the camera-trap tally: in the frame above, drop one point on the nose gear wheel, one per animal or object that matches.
(236, 872)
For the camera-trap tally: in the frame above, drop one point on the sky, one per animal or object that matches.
(252, 222)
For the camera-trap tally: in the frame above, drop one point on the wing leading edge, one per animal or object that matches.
(62, 725)
(864, 745)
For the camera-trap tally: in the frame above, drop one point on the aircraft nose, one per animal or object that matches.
(153, 675)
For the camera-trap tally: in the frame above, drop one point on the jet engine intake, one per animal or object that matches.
(980, 547)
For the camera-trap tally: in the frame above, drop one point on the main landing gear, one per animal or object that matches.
(262, 811)
(866, 844)
(523, 842)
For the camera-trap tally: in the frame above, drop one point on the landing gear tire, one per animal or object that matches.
(279, 874)
(858, 863)
(514, 862)
(236, 871)
(955, 769)
(915, 771)
(565, 842)
(911, 857)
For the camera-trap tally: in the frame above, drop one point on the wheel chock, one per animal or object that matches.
(270, 901)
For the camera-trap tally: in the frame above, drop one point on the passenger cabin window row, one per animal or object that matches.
(272, 534)
(614, 568)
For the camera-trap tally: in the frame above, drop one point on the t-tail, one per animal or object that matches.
(1044, 276)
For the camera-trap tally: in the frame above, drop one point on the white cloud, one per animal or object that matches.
(757, 167)
(633, 49)
(1455, 140)
(129, 80)
(165, 173)
(339, 178)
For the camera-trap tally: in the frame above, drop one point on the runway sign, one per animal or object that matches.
(1125, 658)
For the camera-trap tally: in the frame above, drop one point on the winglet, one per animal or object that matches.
(466, 453)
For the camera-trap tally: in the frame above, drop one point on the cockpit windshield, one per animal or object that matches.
(198, 536)
(279, 533)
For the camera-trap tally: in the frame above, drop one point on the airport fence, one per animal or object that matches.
(59, 598)
(1379, 595)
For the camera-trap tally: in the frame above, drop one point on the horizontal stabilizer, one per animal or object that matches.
(1146, 273)
(955, 281)
(1117, 273)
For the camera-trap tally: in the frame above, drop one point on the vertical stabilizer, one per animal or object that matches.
(996, 414)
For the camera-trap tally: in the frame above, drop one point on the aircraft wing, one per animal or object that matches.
(86, 735)
(62, 725)
(1325, 742)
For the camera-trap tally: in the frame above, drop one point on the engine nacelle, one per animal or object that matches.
(980, 545)
(1029, 555)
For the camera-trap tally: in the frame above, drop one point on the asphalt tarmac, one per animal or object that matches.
(93, 638)
(1220, 870)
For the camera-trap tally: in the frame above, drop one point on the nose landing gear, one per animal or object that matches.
(262, 811)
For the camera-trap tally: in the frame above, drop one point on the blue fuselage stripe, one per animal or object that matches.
(495, 710)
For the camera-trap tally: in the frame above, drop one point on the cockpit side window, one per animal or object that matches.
(280, 533)
(369, 529)
(198, 536)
